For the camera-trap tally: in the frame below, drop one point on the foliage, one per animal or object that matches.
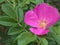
(17, 32)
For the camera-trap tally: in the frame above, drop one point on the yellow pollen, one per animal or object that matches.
(42, 25)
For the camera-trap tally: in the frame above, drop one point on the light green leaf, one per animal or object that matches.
(56, 38)
(25, 38)
(43, 41)
(2, 1)
(10, 10)
(55, 29)
(7, 23)
(21, 14)
(55, 33)
(39, 1)
(28, 1)
(23, 3)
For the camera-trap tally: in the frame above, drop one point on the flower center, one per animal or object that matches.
(43, 24)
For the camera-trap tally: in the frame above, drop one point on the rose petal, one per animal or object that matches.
(47, 12)
(31, 19)
(39, 31)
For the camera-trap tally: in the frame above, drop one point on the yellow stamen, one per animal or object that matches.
(43, 24)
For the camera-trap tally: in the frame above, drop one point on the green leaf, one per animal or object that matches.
(52, 42)
(43, 41)
(2, 1)
(34, 1)
(10, 40)
(10, 10)
(57, 38)
(25, 38)
(21, 14)
(55, 29)
(14, 31)
(3, 37)
(48, 1)
(7, 21)
(23, 3)
(55, 32)
(39, 1)
(28, 1)
(58, 23)
(7, 18)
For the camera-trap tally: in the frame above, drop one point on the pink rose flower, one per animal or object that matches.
(41, 17)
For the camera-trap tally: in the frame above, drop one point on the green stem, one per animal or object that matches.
(22, 26)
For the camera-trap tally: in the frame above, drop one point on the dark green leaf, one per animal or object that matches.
(10, 40)
(3, 37)
(7, 18)
(13, 31)
(34, 1)
(7, 21)
(58, 23)
(52, 42)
